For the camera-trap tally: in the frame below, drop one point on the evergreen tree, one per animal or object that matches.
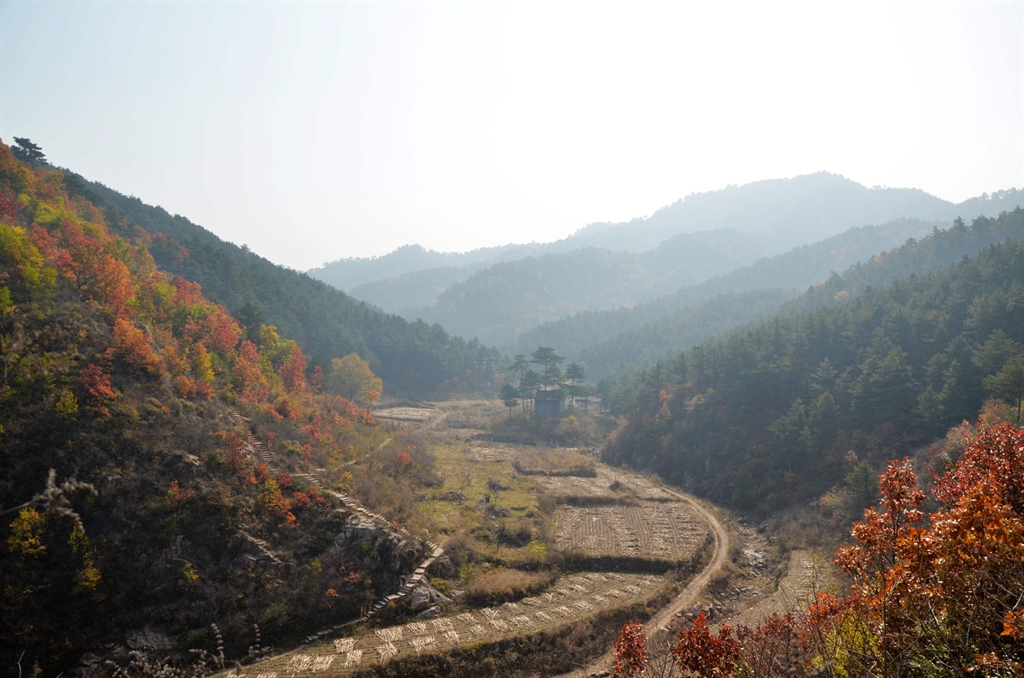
(25, 150)
(509, 396)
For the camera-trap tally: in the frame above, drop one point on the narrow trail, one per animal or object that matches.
(685, 600)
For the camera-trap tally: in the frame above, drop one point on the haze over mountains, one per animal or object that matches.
(500, 294)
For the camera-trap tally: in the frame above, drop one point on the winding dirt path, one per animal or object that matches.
(688, 596)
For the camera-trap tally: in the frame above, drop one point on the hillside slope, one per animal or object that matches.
(644, 345)
(780, 413)
(503, 300)
(785, 212)
(797, 269)
(129, 382)
(349, 274)
(327, 323)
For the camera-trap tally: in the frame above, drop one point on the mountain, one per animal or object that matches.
(781, 412)
(349, 274)
(787, 212)
(411, 357)
(505, 299)
(159, 472)
(655, 340)
(796, 269)
(778, 213)
(411, 290)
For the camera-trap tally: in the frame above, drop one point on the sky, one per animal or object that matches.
(313, 131)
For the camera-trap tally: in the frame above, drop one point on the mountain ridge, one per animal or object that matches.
(719, 209)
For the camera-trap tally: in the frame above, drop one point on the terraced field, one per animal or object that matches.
(483, 505)
(573, 597)
(609, 484)
(657, 530)
(417, 414)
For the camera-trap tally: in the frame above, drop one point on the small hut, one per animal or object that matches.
(549, 401)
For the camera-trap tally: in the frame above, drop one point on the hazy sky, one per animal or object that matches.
(313, 131)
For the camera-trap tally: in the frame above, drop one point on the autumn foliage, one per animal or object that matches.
(939, 594)
(631, 651)
(704, 654)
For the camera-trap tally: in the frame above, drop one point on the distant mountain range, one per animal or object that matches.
(795, 271)
(497, 294)
(741, 300)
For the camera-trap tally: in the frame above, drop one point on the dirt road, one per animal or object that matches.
(686, 599)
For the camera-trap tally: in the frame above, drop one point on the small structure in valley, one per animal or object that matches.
(549, 401)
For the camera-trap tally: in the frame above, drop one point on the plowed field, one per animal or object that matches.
(659, 530)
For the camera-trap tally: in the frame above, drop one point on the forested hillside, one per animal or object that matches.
(796, 269)
(327, 323)
(652, 342)
(348, 274)
(503, 300)
(658, 339)
(784, 411)
(134, 505)
(412, 290)
(631, 336)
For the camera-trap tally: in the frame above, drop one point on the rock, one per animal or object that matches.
(442, 567)
(358, 528)
(430, 613)
(454, 495)
(755, 558)
(90, 665)
(149, 639)
(425, 596)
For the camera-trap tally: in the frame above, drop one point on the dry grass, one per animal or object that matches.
(502, 585)
(557, 462)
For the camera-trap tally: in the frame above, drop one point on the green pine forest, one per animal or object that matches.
(850, 375)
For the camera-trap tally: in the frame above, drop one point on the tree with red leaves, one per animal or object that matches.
(316, 379)
(705, 655)
(938, 593)
(98, 388)
(135, 346)
(293, 372)
(631, 651)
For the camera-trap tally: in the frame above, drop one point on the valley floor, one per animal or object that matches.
(619, 535)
